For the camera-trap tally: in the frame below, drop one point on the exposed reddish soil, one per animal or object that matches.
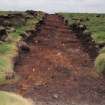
(57, 70)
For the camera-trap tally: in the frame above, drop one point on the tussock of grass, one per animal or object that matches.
(7, 98)
(6, 65)
(99, 37)
(102, 50)
(6, 48)
(100, 63)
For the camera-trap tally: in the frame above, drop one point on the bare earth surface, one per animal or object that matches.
(57, 70)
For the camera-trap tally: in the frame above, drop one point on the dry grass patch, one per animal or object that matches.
(7, 98)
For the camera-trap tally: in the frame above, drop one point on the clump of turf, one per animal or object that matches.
(100, 63)
(7, 53)
(7, 98)
(6, 48)
(102, 50)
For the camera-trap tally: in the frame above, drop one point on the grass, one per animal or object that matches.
(9, 49)
(102, 50)
(99, 37)
(7, 98)
(100, 63)
(6, 48)
(7, 53)
(5, 66)
(4, 13)
(95, 24)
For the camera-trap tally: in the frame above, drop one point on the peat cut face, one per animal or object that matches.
(3, 34)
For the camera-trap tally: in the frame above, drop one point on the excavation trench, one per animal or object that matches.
(57, 70)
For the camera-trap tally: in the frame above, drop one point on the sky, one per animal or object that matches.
(52, 6)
